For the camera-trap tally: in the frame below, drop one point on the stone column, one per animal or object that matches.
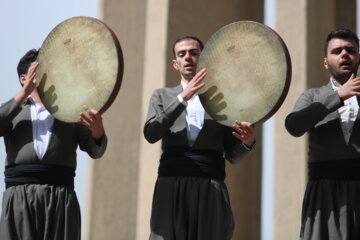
(155, 65)
(304, 26)
(114, 182)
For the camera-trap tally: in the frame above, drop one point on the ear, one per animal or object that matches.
(326, 63)
(175, 64)
(22, 79)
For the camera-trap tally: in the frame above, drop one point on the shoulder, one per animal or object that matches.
(319, 91)
(168, 91)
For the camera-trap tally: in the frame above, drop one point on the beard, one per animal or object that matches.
(341, 76)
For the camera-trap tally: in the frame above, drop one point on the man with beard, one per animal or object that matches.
(190, 200)
(331, 207)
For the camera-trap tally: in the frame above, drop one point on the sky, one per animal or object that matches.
(24, 25)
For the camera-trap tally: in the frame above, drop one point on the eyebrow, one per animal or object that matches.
(190, 50)
(346, 47)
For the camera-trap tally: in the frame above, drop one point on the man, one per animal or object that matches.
(331, 207)
(39, 201)
(191, 201)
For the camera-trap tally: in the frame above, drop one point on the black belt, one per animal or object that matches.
(190, 162)
(39, 174)
(343, 169)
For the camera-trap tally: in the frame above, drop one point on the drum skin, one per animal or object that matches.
(248, 73)
(80, 64)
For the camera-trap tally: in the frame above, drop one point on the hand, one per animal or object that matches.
(245, 132)
(350, 88)
(30, 79)
(93, 122)
(194, 85)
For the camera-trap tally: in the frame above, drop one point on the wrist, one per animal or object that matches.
(184, 97)
(248, 147)
(97, 135)
(20, 96)
(342, 96)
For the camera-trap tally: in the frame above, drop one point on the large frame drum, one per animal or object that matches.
(80, 63)
(248, 73)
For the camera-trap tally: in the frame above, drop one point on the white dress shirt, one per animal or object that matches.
(194, 116)
(42, 122)
(348, 112)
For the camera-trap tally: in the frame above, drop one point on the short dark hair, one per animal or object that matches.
(185, 38)
(25, 62)
(340, 34)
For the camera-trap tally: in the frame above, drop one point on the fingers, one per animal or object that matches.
(352, 76)
(87, 121)
(350, 88)
(196, 83)
(31, 73)
(244, 127)
(92, 118)
(94, 122)
(32, 68)
(92, 113)
(199, 76)
(199, 86)
(244, 131)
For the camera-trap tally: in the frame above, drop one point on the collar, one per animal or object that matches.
(335, 84)
(30, 100)
(183, 84)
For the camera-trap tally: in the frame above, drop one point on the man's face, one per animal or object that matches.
(187, 53)
(342, 59)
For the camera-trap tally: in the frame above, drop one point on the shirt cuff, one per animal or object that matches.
(249, 148)
(182, 100)
(99, 141)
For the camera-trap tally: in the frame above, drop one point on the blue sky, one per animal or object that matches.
(24, 25)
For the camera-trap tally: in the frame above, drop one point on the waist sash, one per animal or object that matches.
(39, 174)
(344, 169)
(189, 162)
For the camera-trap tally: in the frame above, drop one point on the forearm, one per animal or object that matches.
(8, 111)
(95, 148)
(298, 123)
(237, 152)
(20, 97)
(159, 121)
(310, 110)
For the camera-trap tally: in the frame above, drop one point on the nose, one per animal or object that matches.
(344, 53)
(187, 56)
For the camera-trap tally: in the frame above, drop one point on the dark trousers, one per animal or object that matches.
(191, 208)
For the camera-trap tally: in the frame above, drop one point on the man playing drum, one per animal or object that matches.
(190, 200)
(39, 201)
(331, 207)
